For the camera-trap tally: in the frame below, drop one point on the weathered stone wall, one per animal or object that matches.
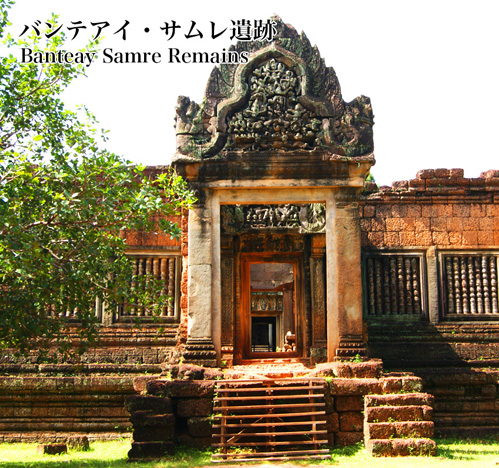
(409, 344)
(439, 210)
(347, 385)
(168, 413)
(39, 406)
(466, 400)
(119, 344)
(184, 303)
(440, 207)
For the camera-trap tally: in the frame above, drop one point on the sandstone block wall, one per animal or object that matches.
(466, 400)
(119, 344)
(440, 207)
(437, 212)
(169, 413)
(49, 408)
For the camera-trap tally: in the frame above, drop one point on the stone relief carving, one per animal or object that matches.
(273, 116)
(285, 98)
(265, 302)
(310, 218)
(227, 265)
(318, 290)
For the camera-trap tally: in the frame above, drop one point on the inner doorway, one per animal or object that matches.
(271, 306)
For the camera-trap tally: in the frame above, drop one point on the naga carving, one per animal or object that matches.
(310, 218)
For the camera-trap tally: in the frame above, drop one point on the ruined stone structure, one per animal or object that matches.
(290, 255)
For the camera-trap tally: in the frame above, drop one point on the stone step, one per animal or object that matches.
(352, 344)
(406, 429)
(404, 399)
(401, 447)
(398, 413)
(350, 352)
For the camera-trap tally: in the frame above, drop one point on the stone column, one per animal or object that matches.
(199, 347)
(344, 280)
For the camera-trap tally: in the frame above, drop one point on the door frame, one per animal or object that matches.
(244, 339)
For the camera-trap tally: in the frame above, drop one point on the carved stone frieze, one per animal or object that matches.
(265, 302)
(309, 218)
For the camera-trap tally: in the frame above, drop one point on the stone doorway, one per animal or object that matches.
(271, 307)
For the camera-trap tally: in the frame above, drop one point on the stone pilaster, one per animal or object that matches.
(199, 347)
(318, 299)
(344, 274)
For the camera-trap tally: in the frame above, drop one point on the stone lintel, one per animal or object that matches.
(313, 165)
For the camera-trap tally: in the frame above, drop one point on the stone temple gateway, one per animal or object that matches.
(290, 259)
(278, 160)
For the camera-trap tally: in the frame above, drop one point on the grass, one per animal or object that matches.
(101, 455)
(451, 453)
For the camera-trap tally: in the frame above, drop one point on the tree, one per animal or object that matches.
(64, 204)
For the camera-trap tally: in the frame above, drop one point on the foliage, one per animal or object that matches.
(65, 205)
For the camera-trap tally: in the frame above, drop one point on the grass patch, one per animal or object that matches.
(113, 454)
(451, 453)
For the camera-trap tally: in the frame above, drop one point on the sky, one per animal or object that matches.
(430, 68)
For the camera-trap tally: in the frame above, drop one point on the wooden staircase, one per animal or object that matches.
(270, 420)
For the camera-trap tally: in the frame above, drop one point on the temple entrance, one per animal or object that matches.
(271, 306)
(264, 334)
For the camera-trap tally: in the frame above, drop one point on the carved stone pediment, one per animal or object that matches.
(283, 99)
(273, 116)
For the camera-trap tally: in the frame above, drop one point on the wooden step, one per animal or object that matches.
(289, 410)
(269, 397)
(266, 389)
(284, 458)
(268, 434)
(270, 443)
(271, 380)
(273, 423)
(270, 415)
(271, 406)
(269, 454)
